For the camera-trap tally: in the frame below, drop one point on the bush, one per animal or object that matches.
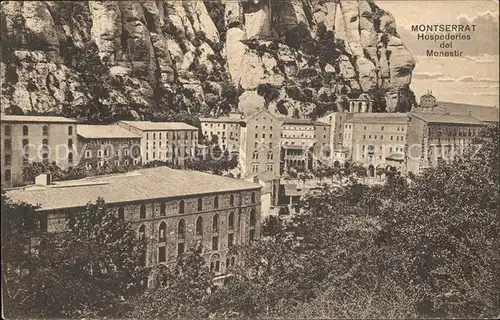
(268, 91)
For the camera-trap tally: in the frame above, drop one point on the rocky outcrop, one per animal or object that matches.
(156, 56)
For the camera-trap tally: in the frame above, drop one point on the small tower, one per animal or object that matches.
(428, 101)
(362, 104)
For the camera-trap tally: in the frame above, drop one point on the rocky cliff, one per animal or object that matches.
(100, 60)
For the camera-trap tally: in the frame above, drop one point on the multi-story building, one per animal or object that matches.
(99, 145)
(336, 121)
(304, 143)
(223, 131)
(377, 141)
(164, 141)
(28, 139)
(438, 137)
(171, 210)
(260, 144)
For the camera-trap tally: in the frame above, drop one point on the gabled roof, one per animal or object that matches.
(447, 118)
(105, 131)
(303, 121)
(159, 126)
(253, 115)
(483, 113)
(144, 184)
(45, 119)
(222, 120)
(389, 118)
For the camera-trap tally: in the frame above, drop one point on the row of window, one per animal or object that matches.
(218, 125)
(255, 155)
(186, 135)
(45, 142)
(269, 167)
(264, 136)
(45, 130)
(398, 138)
(100, 153)
(163, 206)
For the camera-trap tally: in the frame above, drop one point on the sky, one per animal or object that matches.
(473, 78)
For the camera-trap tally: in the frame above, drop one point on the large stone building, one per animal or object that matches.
(438, 137)
(376, 140)
(304, 143)
(28, 139)
(164, 141)
(172, 210)
(100, 145)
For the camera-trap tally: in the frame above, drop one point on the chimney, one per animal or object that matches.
(43, 179)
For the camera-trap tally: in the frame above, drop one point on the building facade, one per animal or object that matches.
(173, 142)
(377, 140)
(260, 144)
(28, 139)
(171, 210)
(433, 138)
(223, 131)
(100, 145)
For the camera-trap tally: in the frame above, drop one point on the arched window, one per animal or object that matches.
(200, 204)
(45, 131)
(252, 198)
(121, 214)
(162, 231)
(216, 202)
(25, 142)
(70, 157)
(230, 221)
(143, 211)
(181, 206)
(45, 157)
(142, 233)
(70, 130)
(233, 261)
(255, 155)
(45, 142)
(231, 200)
(8, 159)
(253, 219)
(270, 155)
(7, 144)
(25, 130)
(215, 223)
(8, 175)
(7, 130)
(199, 226)
(181, 227)
(70, 143)
(215, 263)
(163, 209)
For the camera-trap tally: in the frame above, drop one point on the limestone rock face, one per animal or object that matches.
(185, 56)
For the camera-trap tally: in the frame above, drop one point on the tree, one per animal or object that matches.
(85, 270)
(181, 291)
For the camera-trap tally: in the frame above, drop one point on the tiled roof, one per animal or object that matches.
(447, 118)
(159, 126)
(221, 120)
(483, 113)
(267, 176)
(108, 132)
(144, 184)
(46, 119)
(390, 118)
(303, 121)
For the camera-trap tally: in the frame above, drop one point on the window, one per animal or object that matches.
(70, 143)
(45, 157)
(216, 202)
(162, 254)
(8, 175)
(253, 219)
(199, 226)
(7, 130)
(200, 204)
(8, 159)
(162, 230)
(215, 223)
(270, 156)
(180, 248)
(143, 211)
(45, 142)
(231, 200)
(7, 144)
(255, 155)
(163, 209)
(45, 131)
(230, 240)
(252, 234)
(70, 157)
(270, 167)
(181, 206)
(215, 243)
(121, 214)
(25, 130)
(382, 128)
(252, 197)
(142, 233)
(181, 228)
(230, 221)
(70, 130)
